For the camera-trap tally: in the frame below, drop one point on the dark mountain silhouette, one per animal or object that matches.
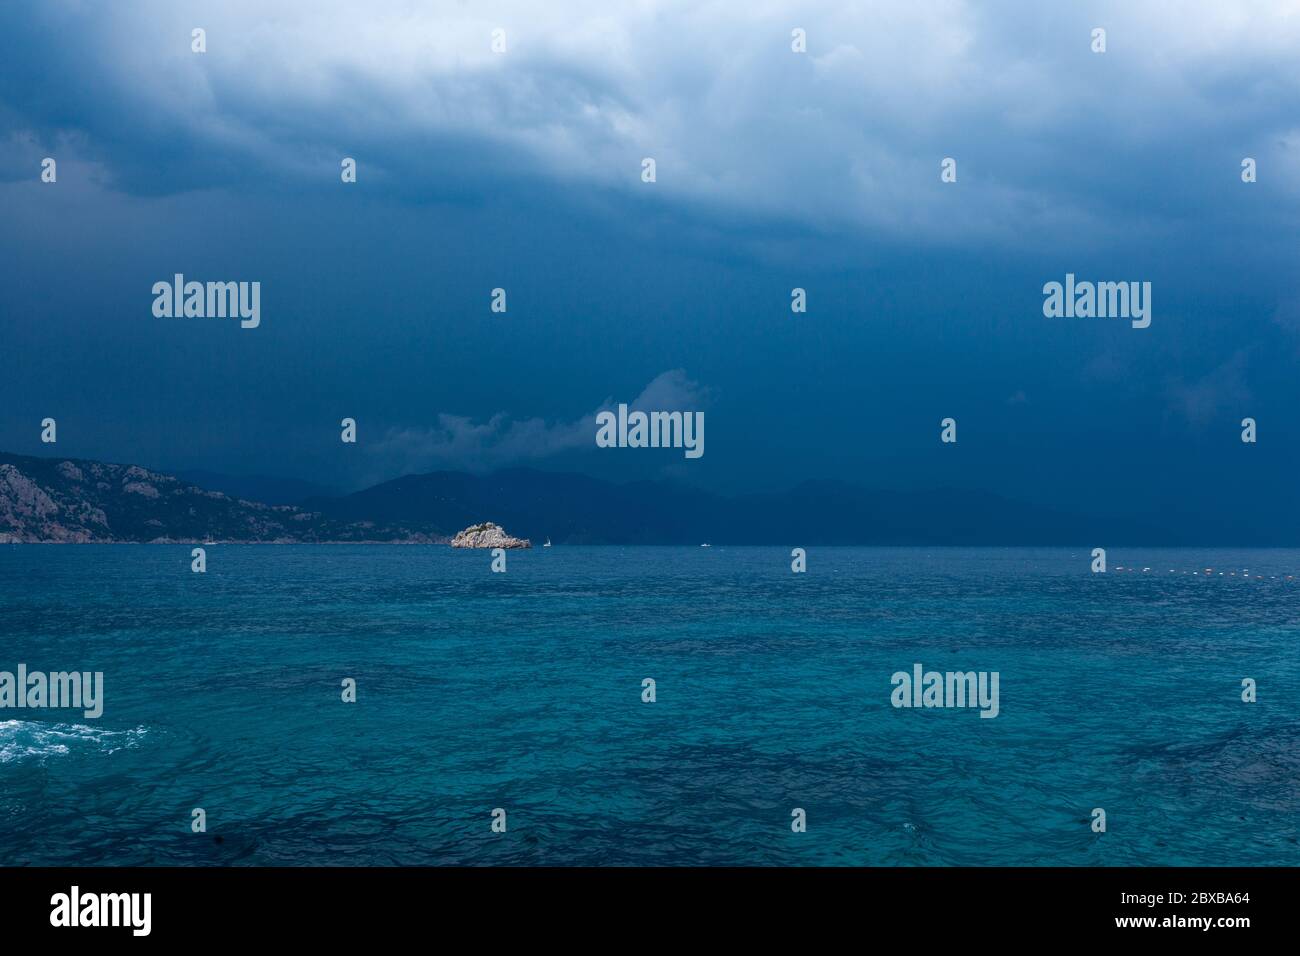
(267, 489)
(576, 509)
(75, 500)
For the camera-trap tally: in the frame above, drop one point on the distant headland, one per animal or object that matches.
(72, 500)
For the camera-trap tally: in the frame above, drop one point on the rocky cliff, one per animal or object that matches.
(74, 500)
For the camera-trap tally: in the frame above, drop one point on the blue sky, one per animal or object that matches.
(774, 170)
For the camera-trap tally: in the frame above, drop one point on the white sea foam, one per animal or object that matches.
(36, 740)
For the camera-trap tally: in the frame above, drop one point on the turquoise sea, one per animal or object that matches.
(523, 691)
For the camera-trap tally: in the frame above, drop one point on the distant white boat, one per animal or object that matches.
(547, 544)
(706, 546)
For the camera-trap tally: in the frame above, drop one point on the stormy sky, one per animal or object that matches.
(775, 170)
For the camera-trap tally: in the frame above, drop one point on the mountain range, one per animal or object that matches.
(77, 500)
(71, 500)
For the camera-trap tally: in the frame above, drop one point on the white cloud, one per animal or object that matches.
(460, 442)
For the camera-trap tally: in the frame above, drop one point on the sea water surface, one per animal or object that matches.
(523, 691)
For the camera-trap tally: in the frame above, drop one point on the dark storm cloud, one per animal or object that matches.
(775, 170)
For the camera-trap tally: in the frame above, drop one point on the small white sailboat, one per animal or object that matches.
(547, 544)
